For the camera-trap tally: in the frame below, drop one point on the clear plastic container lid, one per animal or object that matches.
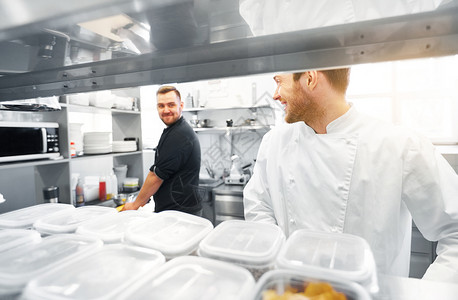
(111, 227)
(278, 282)
(243, 242)
(13, 238)
(102, 275)
(330, 254)
(173, 233)
(19, 266)
(25, 217)
(69, 220)
(193, 278)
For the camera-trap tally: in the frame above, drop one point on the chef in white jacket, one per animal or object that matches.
(333, 169)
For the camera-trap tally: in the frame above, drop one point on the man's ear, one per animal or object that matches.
(311, 79)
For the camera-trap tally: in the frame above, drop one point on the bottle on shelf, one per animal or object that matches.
(80, 200)
(72, 149)
(102, 188)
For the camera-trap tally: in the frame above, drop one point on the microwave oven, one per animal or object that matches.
(28, 140)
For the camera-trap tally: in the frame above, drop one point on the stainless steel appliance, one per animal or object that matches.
(28, 140)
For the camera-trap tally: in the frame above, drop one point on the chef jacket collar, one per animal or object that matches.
(341, 122)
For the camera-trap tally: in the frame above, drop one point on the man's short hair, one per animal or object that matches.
(337, 78)
(168, 88)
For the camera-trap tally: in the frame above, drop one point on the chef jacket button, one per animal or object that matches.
(333, 229)
(291, 180)
(292, 221)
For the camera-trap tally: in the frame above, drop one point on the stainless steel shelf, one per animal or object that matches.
(404, 37)
(33, 163)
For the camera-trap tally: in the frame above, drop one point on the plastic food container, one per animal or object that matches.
(31, 260)
(25, 217)
(110, 228)
(68, 221)
(193, 278)
(280, 281)
(252, 245)
(335, 255)
(130, 184)
(173, 233)
(102, 275)
(13, 238)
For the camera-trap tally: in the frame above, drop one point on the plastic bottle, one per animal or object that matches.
(112, 186)
(72, 149)
(80, 200)
(102, 188)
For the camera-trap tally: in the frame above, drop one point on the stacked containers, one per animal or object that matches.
(31, 260)
(193, 278)
(173, 233)
(111, 228)
(330, 255)
(252, 245)
(13, 238)
(68, 221)
(25, 217)
(279, 282)
(102, 275)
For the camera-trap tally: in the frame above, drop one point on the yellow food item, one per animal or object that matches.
(312, 291)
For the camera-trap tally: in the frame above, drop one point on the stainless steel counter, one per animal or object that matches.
(224, 189)
(228, 203)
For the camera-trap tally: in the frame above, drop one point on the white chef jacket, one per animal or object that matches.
(364, 177)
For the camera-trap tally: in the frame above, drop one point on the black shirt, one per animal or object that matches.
(177, 163)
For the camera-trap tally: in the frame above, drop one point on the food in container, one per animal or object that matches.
(111, 228)
(102, 275)
(68, 221)
(252, 245)
(193, 278)
(25, 217)
(173, 233)
(32, 260)
(338, 255)
(290, 284)
(11, 239)
(130, 184)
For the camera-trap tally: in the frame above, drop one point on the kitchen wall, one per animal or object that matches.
(213, 97)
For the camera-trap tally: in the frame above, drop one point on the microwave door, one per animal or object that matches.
(22, 141)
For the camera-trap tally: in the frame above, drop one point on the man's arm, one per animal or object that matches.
(149, 188)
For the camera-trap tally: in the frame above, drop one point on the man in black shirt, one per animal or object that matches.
(174, 177)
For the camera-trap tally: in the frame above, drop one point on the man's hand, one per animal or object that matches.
(129, 206)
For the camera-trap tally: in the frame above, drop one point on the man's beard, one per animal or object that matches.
(301, 108)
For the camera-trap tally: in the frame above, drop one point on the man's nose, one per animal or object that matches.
(277, 94)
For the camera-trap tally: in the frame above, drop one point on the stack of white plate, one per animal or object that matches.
(124, 146)
(97, 142)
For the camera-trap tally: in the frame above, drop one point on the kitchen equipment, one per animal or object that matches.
(228, 203)
(28, 140)
(25, 217)
(179, 233)
(190, 277)
(252, 245)
(237, 176)
(102, 275)
(124, 146)
(333, 255)
(51, 194)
